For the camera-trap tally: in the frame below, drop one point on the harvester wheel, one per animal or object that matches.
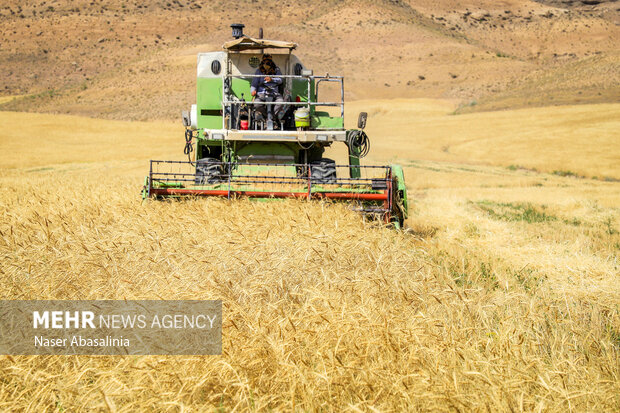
(323, 171)
(145, 188)
(398, 212)
(208, 171)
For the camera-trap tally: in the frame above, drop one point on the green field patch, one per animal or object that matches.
(521, 168)
(567, 174)
(40, 169)
(529, 279)
(516, 211)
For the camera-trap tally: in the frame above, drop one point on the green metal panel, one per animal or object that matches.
(267, 148)
(397, 172)
(209, 93)
(322, 120)
(300, 88)
(242, 86)
(354, 159)
(209, 102)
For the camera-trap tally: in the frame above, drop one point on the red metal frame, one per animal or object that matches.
(266, 194)
(385, 197)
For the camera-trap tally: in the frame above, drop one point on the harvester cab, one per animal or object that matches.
(237, 146)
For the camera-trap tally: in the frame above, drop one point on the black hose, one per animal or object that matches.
(359, 141)
(189, 148)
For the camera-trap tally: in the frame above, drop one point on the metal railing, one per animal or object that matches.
(227, 88)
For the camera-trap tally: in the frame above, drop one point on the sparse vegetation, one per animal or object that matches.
(462, 106)
(609, 223)
(516, 211)
(459, 72)
(570, 174)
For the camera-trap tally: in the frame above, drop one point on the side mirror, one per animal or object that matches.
(361, 120)
(186, 121)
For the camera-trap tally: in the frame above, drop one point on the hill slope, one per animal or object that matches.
(126, 60)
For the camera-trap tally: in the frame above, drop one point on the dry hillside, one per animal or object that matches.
(130, 60)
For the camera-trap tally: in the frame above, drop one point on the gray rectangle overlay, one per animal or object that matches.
(110, 327)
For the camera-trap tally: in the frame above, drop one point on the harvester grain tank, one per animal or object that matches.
(234, 150)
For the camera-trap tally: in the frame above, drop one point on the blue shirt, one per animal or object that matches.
(261, 87)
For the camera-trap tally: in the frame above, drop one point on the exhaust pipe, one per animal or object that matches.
(237, 30)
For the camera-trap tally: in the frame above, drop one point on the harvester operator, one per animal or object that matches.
(268, 86)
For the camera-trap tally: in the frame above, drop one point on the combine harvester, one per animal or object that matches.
(241, 152)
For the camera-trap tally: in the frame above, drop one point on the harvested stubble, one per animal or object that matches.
(322, 311)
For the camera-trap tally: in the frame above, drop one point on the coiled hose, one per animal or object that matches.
(189, 148)
(358, 142)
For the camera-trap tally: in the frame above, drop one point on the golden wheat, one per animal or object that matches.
(580, 139)
(473, 307)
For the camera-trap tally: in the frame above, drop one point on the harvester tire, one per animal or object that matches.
(398, 212)
(208, 171)
(323, 171)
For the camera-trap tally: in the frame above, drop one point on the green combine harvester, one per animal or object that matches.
(238, 146)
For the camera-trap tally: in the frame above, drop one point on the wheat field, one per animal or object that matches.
(501, 294)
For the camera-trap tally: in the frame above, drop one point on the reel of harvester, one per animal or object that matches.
(377, 191)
